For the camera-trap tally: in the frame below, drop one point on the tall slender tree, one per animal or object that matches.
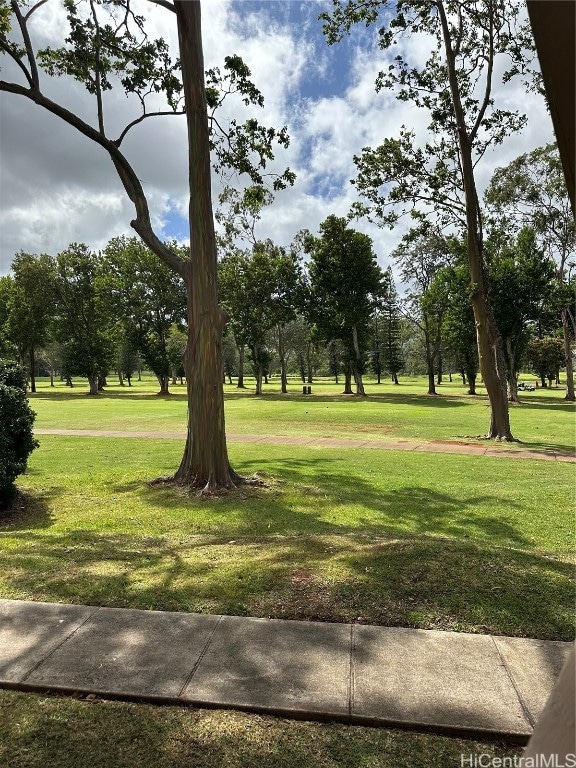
(469, 43)
(31, 306)
(107, 47)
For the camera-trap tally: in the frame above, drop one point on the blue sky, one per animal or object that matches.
(57, 188)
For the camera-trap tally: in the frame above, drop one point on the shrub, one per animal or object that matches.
(16, 419)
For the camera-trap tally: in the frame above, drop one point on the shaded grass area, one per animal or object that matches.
(422, 540)
(542, 420)
(38, 731)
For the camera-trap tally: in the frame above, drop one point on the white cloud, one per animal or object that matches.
(57, 187)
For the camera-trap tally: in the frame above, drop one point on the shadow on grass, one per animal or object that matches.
(452, 401)
(423, 582)
(107, 733)
(28, 511)
(82, 394)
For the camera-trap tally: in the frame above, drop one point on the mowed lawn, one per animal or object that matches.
(428, 540)
(543, 420)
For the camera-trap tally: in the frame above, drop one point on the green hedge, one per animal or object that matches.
(16, 420)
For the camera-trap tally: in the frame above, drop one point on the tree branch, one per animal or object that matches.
(131, 183)
(97, 83)
(164, 3)
(34, 8)
(27, 43)
(4, 45)
(138, 120)
(488, 89)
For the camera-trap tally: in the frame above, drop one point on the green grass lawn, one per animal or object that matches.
(56, 732)
(541, 420)
(426, 540)
(411, 539)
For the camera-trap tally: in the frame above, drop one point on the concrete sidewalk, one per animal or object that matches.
(445, 681)
(461, 446)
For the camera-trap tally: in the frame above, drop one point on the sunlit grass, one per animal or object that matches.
(542, 420)
(426, 540)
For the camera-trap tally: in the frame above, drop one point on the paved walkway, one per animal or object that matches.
(449, 682)
(461, 447)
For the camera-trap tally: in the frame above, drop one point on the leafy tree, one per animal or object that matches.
(230, 356)
(545, 357)
(107, 48)
(420, 256)
(84, 323)
(258, 289)
(531, 191)
(31, 305)
(392, 356)
(346, 284)
(469, 43)
(127, 357)
(7, 348)
(458, 327)
(150, 298)
(520, 276)
(176, 349)
(16, 420)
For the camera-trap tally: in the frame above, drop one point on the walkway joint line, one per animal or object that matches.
(200, 657)
(521, 699)
(57, 647)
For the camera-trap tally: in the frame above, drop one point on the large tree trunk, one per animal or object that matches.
(347, 379)
(32, 370)
(258, 372)
(358, 366)
(205, 462)
(164, 382)
(568, 356)
(93, 384)
(490, 352)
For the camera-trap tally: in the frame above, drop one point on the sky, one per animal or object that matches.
(56, 187)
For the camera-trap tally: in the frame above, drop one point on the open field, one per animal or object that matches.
(427, 540)
(542, 420)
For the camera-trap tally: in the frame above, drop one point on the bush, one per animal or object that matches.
(16, 419)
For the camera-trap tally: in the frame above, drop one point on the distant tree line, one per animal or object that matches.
(322, 306)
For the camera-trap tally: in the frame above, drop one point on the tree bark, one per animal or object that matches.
(93, 384)
(205, 462)
(568, 357)
(164, 382)
(357, 367)
(347, 379)
(440, 371)
(490, 352)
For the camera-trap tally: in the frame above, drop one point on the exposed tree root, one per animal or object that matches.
(208, 488)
